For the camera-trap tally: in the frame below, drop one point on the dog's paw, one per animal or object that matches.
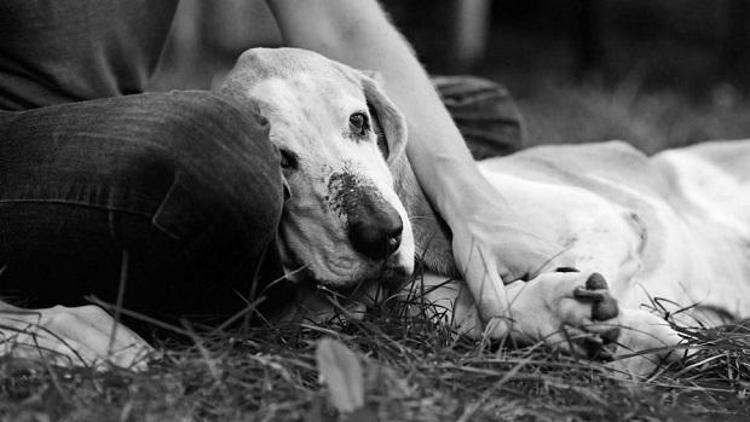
(569, 310)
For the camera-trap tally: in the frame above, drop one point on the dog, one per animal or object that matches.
(668, 233)
(674, 226)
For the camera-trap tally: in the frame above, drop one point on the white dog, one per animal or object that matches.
(674, 226)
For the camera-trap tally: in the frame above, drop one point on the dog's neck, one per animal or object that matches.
(432, 237)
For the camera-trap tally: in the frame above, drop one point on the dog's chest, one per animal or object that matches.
(602, 235)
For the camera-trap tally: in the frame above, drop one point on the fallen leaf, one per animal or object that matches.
(341, 371)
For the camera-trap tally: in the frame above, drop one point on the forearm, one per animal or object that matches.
(357, 33)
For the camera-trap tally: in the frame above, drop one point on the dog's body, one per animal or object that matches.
(674, 226)
(669, 232)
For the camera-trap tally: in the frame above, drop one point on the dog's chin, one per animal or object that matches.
(386, 275)
(391, 273)
(342, 272)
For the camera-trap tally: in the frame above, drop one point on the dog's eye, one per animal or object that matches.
(289, 160)
(358, 123)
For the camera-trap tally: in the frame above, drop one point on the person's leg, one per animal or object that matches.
(484, 112)
(185, 185)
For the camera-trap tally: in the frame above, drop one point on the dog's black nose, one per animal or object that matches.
(378, 234)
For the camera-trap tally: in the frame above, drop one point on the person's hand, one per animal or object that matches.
(493, 245)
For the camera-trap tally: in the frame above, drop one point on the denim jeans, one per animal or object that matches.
(185, 184)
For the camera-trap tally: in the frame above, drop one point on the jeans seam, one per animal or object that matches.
(149, 215)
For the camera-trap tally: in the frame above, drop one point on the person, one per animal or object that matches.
(178, 194)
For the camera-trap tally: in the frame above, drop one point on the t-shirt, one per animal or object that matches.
(60, 51)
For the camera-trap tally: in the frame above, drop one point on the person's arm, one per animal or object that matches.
(487, 241)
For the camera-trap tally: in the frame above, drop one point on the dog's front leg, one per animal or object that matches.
(78, 336)
(570, 311)
(573, 312)
(444, 300)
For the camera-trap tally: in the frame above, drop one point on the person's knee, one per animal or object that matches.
(186, 182)
(209, 159)
(202, 121)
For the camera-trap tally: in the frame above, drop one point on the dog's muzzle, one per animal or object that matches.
(374, 226)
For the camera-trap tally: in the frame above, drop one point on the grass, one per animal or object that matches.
(557, 112)
(413, 368)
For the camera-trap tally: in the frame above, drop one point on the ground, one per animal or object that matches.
(413, 371)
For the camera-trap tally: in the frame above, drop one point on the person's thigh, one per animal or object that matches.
(182, 187)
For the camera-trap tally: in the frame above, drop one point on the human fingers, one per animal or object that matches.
(487, 289)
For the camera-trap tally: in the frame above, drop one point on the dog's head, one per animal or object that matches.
(337, 133)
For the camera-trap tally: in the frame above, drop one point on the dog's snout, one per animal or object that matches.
(377, 235)
(374, 226)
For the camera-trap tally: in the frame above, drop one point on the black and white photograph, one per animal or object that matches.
(374, 210)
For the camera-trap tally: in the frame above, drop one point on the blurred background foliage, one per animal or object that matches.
(655, 72)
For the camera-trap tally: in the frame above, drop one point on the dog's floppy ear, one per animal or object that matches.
(385, 115)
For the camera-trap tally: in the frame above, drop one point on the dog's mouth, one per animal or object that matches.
(390, 279)
(388, 273)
